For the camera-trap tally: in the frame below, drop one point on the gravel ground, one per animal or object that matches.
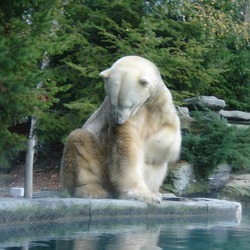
(46, 179)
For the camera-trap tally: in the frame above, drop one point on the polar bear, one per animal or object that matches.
(124, 148)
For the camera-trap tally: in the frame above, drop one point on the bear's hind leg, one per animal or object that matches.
(94, 191)
(90, 185)
(82, 170)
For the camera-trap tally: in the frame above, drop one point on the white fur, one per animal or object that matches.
(135, 133)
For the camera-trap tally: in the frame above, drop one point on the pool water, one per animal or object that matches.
(134, 235)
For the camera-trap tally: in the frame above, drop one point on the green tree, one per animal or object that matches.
(96, 33)
(201, 47)
(25, 37)
(178, 36)
(218, 142)
(226, 26)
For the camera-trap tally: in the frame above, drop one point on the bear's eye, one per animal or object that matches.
(143, 81)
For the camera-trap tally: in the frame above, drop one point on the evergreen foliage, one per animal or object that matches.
(201, 48)
(24, 30)
(213, 142)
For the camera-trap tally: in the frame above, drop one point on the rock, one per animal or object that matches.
(219, 177)
(31, 212)
(179, 176)
(238, 188)
(198, 189)
(181, 180)
(183, 111)
(236, 116)
(185, 119)
(203, 102)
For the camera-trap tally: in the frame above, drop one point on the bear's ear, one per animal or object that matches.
(105, 74)
(144, 81)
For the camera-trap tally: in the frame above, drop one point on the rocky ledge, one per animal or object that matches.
(22, 212)
(237, 188)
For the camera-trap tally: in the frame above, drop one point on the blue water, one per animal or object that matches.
(134, 235)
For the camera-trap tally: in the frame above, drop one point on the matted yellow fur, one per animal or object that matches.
(124, 148)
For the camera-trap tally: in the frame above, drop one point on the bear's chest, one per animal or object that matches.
(154, 135)
(155, 147)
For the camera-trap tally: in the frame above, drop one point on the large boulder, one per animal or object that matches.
(186, 120)
(238, 188)
(182, 181)
(219, 177)
(179, 177)
(236, 116)
(205, 102)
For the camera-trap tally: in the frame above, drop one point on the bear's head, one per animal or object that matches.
(130, 83)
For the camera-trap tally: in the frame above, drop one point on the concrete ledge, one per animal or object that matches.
(22, 212)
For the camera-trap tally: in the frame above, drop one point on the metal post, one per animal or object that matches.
(28, 181)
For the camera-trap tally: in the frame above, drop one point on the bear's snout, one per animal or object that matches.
(119, 120)
(120, 116)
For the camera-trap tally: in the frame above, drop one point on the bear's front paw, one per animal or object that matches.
(148, 197)
(152, 198)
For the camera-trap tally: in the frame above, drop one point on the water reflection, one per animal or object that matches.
(133, 238)
(133, 235)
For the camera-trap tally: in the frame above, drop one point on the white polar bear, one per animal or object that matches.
(124, 148)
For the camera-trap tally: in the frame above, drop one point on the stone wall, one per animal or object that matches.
(181, 179)
(182, 182)
(204, 103)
